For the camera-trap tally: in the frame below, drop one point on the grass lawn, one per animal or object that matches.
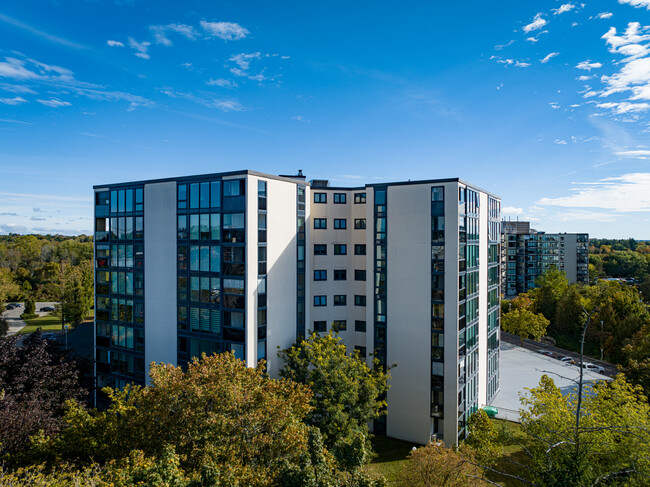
(391, 458)
(47, 323)
(392, 453)
(512, 437)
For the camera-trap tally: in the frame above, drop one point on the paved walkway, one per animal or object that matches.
(521, 368)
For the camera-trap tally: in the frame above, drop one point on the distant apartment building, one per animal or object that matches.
(248, 262)
(527, 253)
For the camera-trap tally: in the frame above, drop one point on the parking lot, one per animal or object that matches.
(13, 315)
(521, 368)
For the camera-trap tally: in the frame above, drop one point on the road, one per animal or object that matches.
(13, 316)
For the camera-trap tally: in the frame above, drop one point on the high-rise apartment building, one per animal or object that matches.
(248, 262)
(527, 253)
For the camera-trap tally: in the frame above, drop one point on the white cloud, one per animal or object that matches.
(588, 66)
(625, 107)
(638, 154)
(537, 23)
(141, 47)
(17, 89)
(54, 103)
(300, 118)
(554, 105)
(228, 31)
(511, 210)
(160, 32)
(604, 15)
(560, 142)
(563, 8)
(184, 30)
(626, 193)
(224, 83)
(584, 77)
(114, 43)
(637, 3)
(532, 39)
(228, 106)
(17, 100)
(500, 47)
(244, 60)
(549, 57)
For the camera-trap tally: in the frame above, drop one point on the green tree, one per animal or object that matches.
(435, 465)
(569, 316)
(8, 286)
(347, 394)
(551, 286)
(217, 414)
(525, 324)
(607, 446)
(482, 438)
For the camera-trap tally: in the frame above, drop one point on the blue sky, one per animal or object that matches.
(544, 103)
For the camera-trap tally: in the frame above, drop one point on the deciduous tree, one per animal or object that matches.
(525, 324)
(347, 393)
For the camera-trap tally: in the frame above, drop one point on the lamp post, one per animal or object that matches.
(601, 340)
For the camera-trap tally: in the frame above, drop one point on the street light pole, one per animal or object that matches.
(601, 340)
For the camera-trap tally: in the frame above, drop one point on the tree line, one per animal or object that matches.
(48, 268)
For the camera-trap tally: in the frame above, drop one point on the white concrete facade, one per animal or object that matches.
(340, 280)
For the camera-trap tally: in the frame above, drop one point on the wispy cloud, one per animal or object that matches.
(548, 57)
(638, 154)
(300, 118)
(604, 15)
(54, 103)
(223, 83)
(160, 32)
(228, 31)
(115, 43)
(55, 77)
(40, 33)
(17, 100)
(511, 210)
(563, 8)
(626, 193)
(537, 23)
(141, 48)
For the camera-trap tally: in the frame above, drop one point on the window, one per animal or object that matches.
(359, 249)
(359, 275)
(320, 275)
(361, 350)
(359, 300)
(320, 249)
(320, 326)
(320, 223)
(320, 300)
(340, 300)
(339, 198)
(359, 223)
(360, 325)
(320, 197)
(340, 274)
(359, 198)
(339, 325)
(233, 187)
(340, 249)
(340, 223)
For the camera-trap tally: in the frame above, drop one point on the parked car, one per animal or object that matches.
(545, 352)
(46, 308)
(594, 368)
(568, 360)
